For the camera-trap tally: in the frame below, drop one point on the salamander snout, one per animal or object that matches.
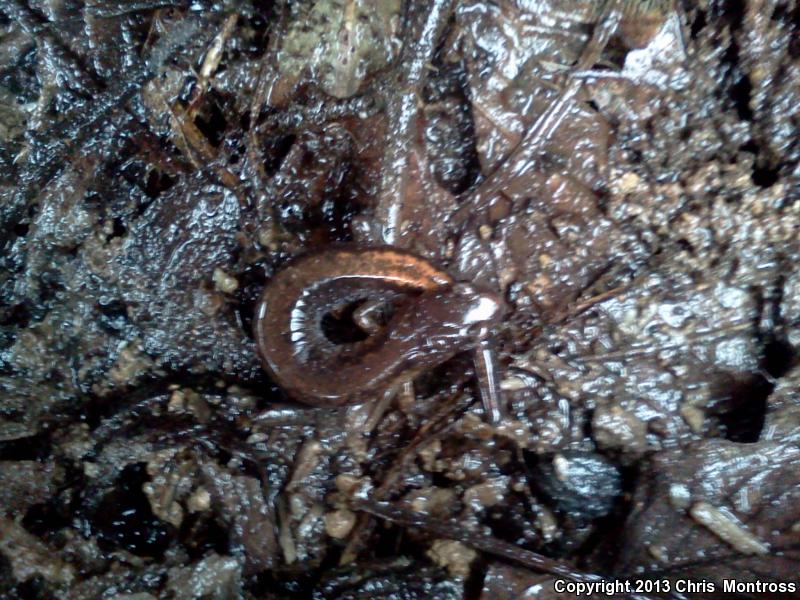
(479, 306)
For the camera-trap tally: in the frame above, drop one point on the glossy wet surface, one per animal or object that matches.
(627, 180)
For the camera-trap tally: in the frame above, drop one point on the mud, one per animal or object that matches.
(628, 178)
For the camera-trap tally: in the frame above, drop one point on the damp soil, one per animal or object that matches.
(626, 175)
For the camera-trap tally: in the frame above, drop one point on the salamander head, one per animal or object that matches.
(453, 316)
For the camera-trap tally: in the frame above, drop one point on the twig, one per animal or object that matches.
(455, 531)
(521, 160)
(64, 141)
(402, 111)
(439, 423)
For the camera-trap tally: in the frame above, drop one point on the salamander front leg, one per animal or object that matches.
(488, 376)
(371, 316)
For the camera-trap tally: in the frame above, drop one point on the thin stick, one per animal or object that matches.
(486, 372)
(456, 531)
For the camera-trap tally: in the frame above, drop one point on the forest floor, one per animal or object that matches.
(628, 179)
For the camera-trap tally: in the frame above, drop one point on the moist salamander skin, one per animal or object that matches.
(435, 319)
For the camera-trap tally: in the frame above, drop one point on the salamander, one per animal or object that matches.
(434, 318)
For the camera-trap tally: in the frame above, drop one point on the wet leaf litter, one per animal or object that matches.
(623, 174)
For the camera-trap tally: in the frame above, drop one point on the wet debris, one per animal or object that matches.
(715, 510)
(29, 557)
(338, 43)
(217, 577)
(504, 581)
(238, 500)
(26, 483)
(625, 174)
(393, 578)
(583, 485)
